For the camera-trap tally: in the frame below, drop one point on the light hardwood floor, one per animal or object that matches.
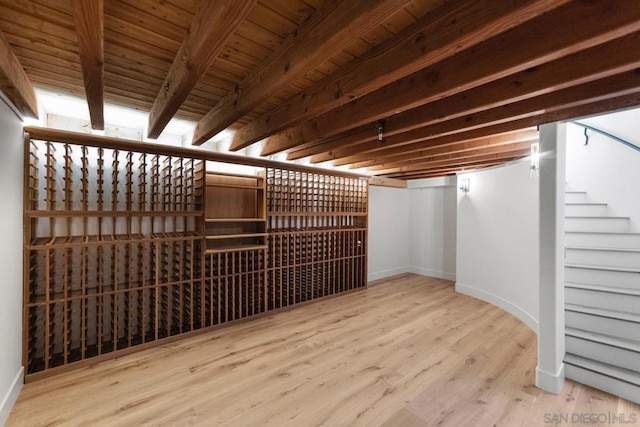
(407, 351)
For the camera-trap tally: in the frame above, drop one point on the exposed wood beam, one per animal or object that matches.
(329, 29)
(590, 108)
(387, 182)
(442, 172)
(477, 161)
(88, 16)
(446, 170)
(440, 34)
(468, 105)
(428, 138)
(309, 149)
(424, 140)
(452, 145)
(14, 82)
(533, 43)
(361, 140)
(454, 154)
(422, 176)
(211, 27)
(517, 150)
(568, 71)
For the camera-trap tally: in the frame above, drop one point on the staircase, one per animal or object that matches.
(602, 298)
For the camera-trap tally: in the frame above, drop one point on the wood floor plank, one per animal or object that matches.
(407, 351)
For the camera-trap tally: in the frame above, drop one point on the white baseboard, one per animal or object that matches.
(433, 273)
(388, 273)
(10, 397)
(507, 306)
(551, 382)
(410, 269)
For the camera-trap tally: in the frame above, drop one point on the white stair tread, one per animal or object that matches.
(604, 267)
(596, 217)
(623, 233)
(605, 339)
(619, 315)
(585, 204)
(631, 377)
(603, 382)
(589, 248)
(601, 288)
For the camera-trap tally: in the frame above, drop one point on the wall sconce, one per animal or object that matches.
(535, 160)
(464, 185)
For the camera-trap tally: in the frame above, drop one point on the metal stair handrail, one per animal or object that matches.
(607, 134)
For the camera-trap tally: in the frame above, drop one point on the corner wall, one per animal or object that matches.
(11, 164)
(497, 240)
(388, 232)
(432, 227)
(413, 229)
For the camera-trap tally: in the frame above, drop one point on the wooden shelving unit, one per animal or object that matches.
(235, 251)
(129, 245)
(235, 213)
(317, 231)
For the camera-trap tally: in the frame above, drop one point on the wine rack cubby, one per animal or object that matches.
(128, 245)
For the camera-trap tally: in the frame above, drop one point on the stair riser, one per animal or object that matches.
(603, 277)
(603, 258)
(604, 353)
(618, 241)
(610, 225)
(602, 382)
(585, 210)
(594, 218)
(575, 198)
(603, 325)
(603, 300)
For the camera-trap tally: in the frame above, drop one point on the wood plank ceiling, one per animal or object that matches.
(406, 88)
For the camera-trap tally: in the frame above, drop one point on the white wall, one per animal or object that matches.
(413, 229)
(606, 169)
(497, 240)
(432, 228)
(11, 202)
(388, 232)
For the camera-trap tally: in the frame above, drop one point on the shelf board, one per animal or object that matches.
(245, 187)
(306, 213)
(235, 175)
(314, 230)
(69, 241)
(234, 248)
(111, 213)
(234, 236)
(214, 220)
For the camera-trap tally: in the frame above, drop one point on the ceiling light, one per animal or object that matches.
(379, 125)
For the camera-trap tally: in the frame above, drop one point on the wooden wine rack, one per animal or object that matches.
(128, 245)
(317, 228)
(113, 256)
